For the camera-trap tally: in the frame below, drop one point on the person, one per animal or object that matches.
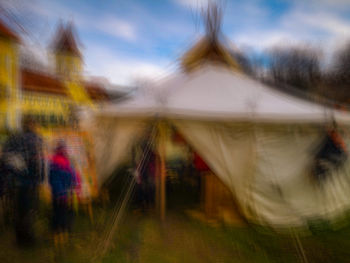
(331, 155)
(24, 165)
(146, 172)
(62, 179)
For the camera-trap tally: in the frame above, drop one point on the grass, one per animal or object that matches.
(143, 238)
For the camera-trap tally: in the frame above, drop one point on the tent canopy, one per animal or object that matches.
(266, 167)
(217, 93)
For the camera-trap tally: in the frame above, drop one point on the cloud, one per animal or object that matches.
(324, 21)
(124, 70)
(109, 25)
(326, 16)
(41, 8)
(195, 4)
(128, 72)
(326, 29)
(325, 5)
(117, 28)
(265, 39)
(304, 22)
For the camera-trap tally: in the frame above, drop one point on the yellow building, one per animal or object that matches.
(48, 97)
(9, 90)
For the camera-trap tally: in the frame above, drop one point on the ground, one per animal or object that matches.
(141, 237)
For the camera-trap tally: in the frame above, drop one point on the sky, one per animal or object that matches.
(128, 41)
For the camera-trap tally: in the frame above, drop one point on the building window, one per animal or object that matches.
(53, 120)
(2, 61)
(3, 90)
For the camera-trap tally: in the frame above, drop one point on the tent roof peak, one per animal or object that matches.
(210, 47)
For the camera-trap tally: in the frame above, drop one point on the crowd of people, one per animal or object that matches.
(23, 170)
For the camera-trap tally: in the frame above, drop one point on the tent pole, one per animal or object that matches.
(162, 171)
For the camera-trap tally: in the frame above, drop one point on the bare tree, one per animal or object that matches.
(337, 79)
(243, 60)
(342, 66)
(298, 67)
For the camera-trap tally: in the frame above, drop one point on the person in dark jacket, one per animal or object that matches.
(62, 179)
(331, 156)
(23, 162)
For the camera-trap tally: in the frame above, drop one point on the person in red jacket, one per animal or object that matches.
(63, 181)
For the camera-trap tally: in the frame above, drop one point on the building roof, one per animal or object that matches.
(66, 41)
(6, 32)
(41, 82)
(36, 81)
(96, 92)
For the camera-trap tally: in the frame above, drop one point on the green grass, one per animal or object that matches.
(143, 238)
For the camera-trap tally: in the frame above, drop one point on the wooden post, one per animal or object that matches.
(209, 195)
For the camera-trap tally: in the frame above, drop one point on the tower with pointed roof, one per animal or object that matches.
(9, 91)
(68, 58)
(68, 63)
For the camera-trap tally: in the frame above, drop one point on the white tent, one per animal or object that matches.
(259, 141)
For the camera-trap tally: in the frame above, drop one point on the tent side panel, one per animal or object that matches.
(114, 138)
(284, 192)
(228, 152)
(268, 170)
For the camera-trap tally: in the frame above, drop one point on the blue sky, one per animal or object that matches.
(131, 40)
